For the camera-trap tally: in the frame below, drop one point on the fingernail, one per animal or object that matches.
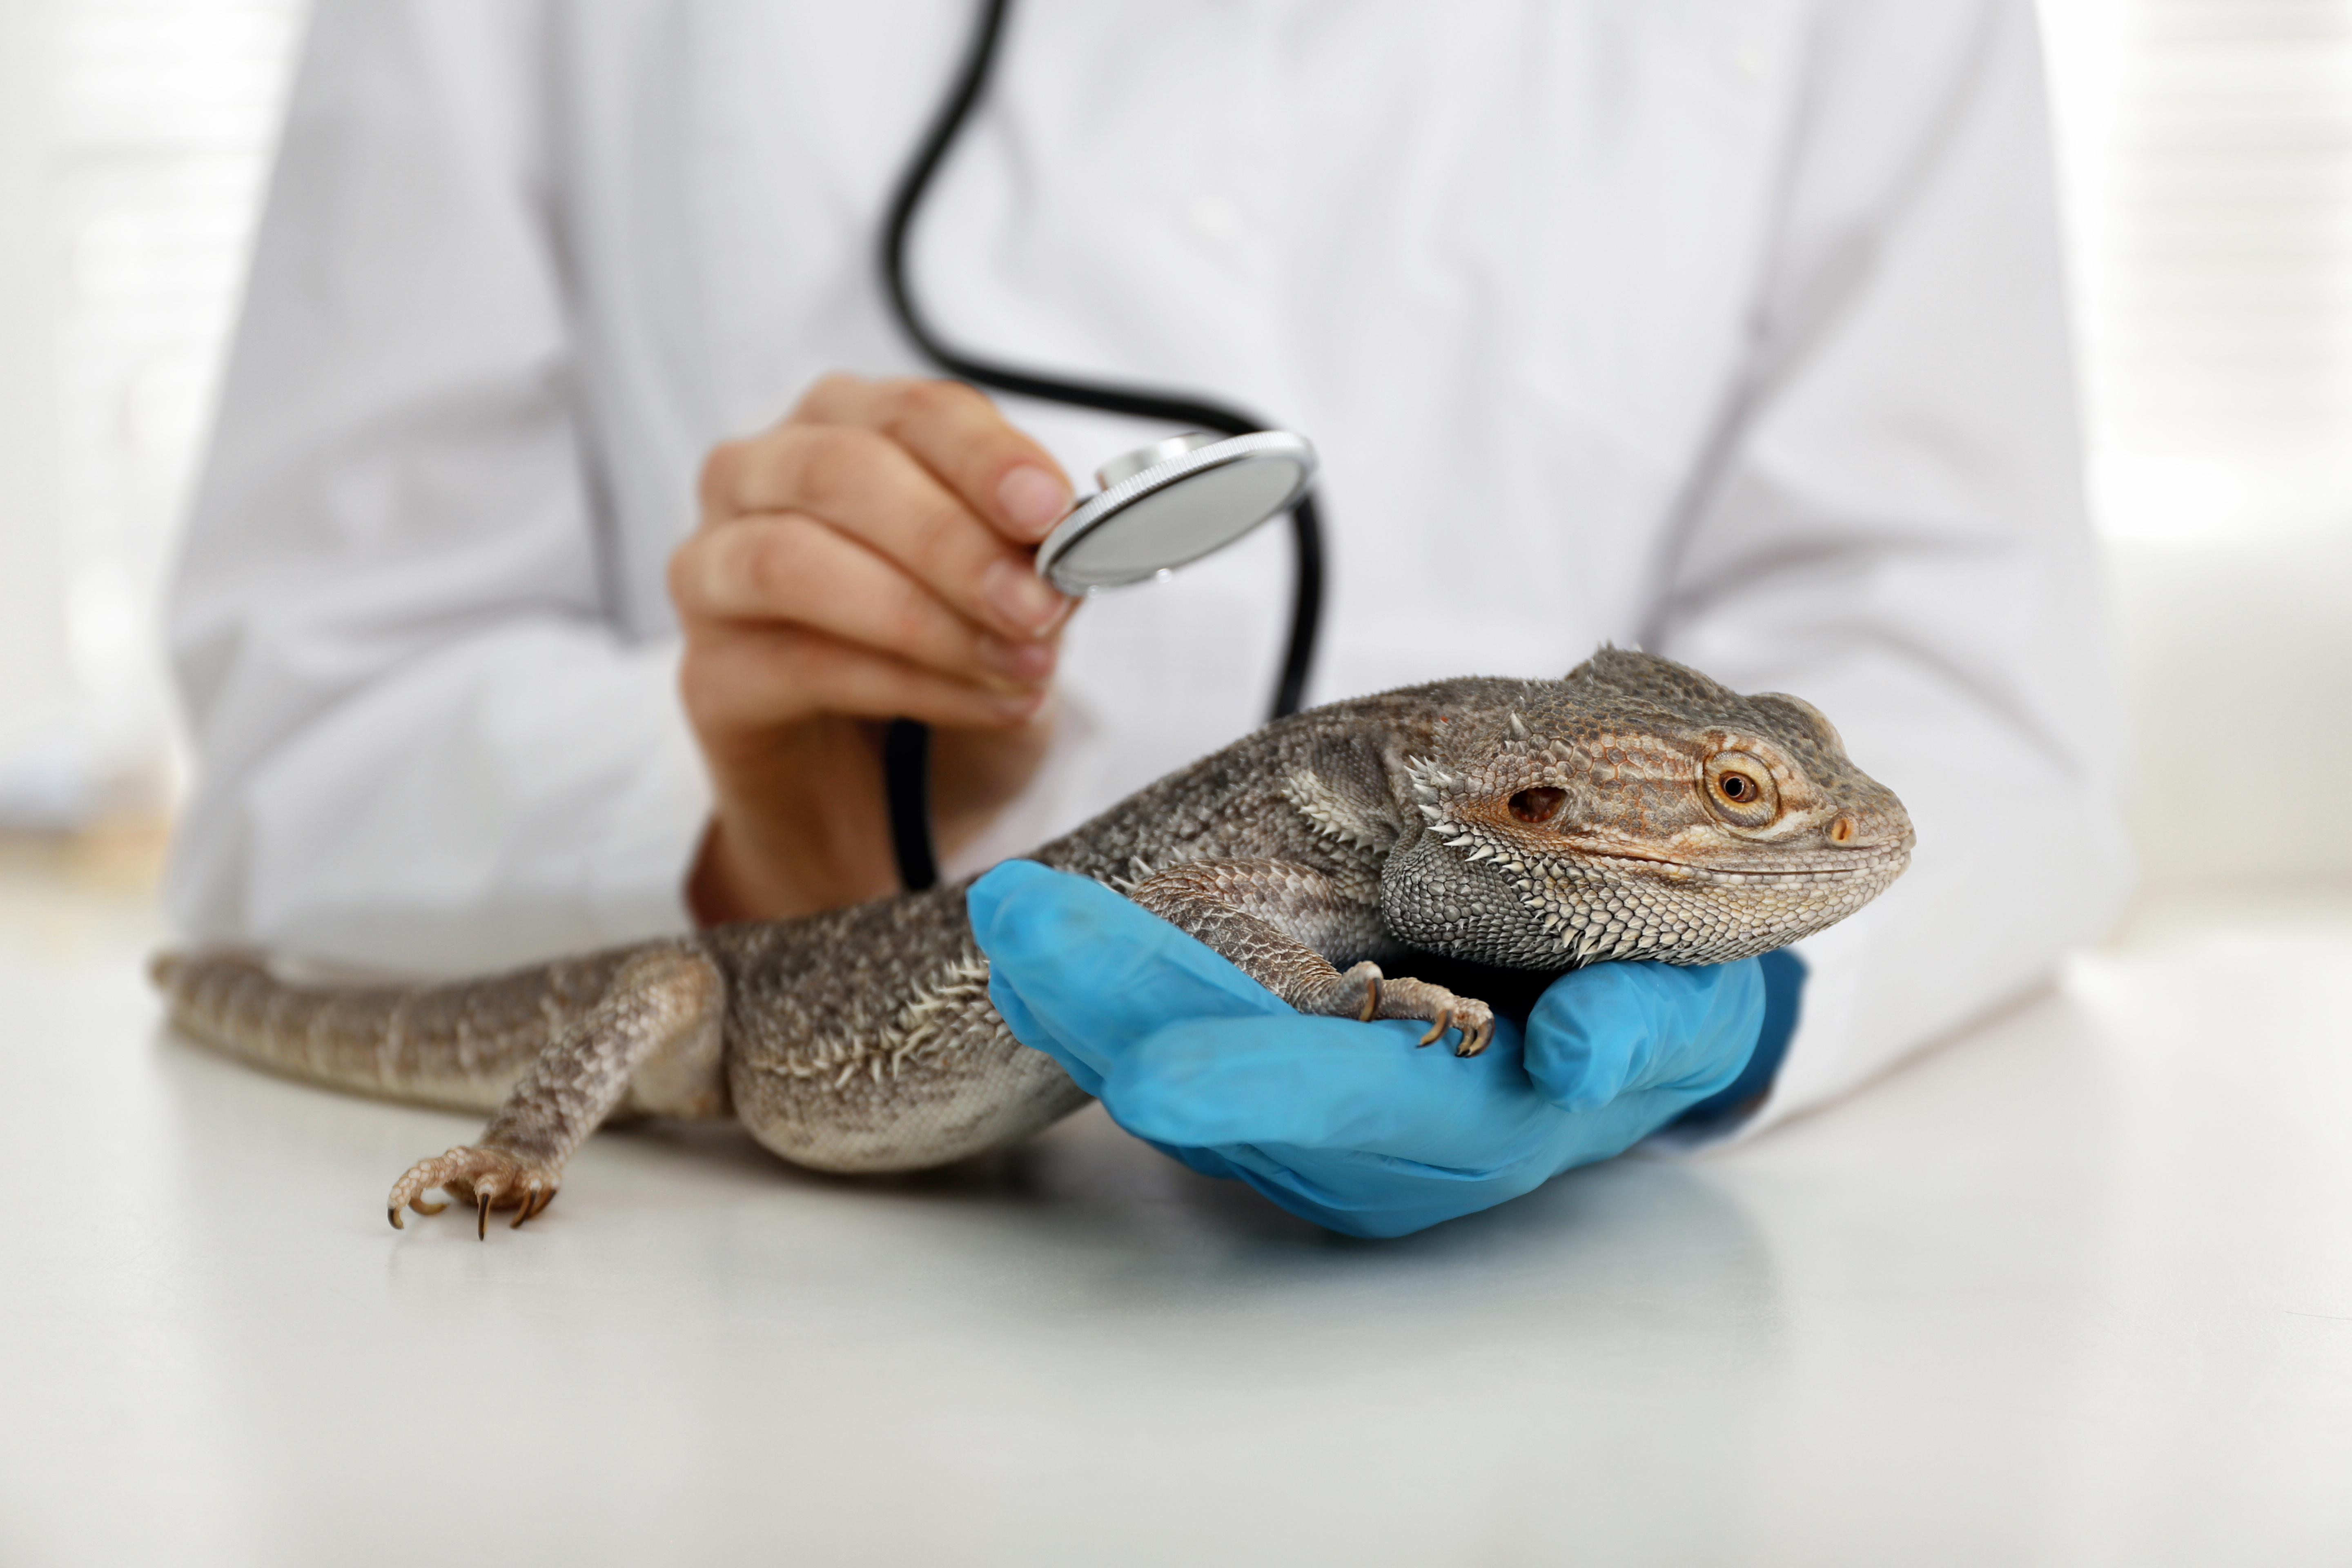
(1028, 662)
(1020, 595)
(1032, 499)
(1017, 706)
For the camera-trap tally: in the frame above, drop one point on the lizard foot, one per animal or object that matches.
(1364, 993)
(492, 1178)
(1441, 1010)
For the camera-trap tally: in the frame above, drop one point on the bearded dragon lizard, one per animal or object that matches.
(1634, 809)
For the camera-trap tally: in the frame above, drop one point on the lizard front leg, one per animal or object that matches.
(1277, 921)
(666, 1002)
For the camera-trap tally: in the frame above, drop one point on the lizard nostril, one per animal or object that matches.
(1841, 830)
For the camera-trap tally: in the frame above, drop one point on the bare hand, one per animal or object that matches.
(869, 557)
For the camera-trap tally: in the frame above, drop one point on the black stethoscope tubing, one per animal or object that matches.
(906, 749)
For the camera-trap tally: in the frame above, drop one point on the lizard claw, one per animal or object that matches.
(1364, 994)
(418, 1204)
(1356, 993)
(493, 1178)
(1477, 1038)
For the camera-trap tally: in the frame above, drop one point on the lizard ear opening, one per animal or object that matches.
(1540, 805)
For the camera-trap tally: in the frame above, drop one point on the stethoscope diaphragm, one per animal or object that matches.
(1172, 503)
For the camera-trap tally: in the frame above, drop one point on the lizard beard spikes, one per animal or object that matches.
(1659, 815)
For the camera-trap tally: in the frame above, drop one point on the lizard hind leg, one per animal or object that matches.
(668, 1000)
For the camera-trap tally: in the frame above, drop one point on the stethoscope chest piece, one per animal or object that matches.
(1172, 503)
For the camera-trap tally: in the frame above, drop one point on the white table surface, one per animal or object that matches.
(2075, 1288)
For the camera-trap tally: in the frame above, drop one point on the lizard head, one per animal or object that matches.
(1637, 809)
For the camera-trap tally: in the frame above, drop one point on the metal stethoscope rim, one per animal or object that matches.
(1280, 466)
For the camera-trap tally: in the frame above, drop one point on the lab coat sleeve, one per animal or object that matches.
(1893, 528)
(421, 742)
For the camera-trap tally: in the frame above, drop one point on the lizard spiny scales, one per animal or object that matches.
(1634, 809)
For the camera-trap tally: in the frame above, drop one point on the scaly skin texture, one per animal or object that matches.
(1635, 809)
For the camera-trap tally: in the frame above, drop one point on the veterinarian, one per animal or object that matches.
(576, 510)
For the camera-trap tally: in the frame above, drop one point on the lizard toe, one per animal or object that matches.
(485, 1178)
(1477, 1029)
(1441, 1010)
(1359, 991)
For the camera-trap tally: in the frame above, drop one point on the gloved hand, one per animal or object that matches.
(1350, 1124)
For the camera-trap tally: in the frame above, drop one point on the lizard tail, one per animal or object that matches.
(460, 1046)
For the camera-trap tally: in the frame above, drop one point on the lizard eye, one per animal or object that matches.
(1537, 804)
(1739, 788)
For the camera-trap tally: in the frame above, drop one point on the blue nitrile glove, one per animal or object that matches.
(1350, 1124)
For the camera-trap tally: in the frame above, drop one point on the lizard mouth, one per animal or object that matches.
(1890, 857)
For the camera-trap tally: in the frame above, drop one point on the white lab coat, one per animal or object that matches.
(1730, 329)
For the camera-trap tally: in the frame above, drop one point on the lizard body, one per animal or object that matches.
(1634, 809)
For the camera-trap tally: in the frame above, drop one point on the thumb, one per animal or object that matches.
(1617, 1028)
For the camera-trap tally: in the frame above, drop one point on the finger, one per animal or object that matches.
(1327, 1083)
(746, 679)
(954, 430)
(872, 488)
(1614, 1029)
(1095, 970)
(1082, 1061)
(795, 569)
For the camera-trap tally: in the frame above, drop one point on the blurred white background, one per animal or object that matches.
(134, 147)
(2207, 148)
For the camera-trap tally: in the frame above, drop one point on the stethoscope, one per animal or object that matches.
(1159, 507)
